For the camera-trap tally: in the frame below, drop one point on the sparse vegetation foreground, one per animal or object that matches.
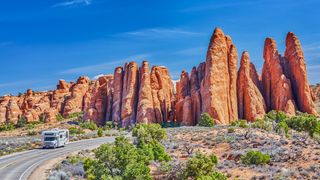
(275, 147)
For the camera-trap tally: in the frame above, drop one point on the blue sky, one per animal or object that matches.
(42, 41)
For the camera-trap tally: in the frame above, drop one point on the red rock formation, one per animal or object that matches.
(162, 94)
(145, 111)
(201, 69)
(59, 95)
(75, 102)
(3, 108)
(195, 95)
(215, 89)
(251, 105)
(117, 95)
(296, 66)
(98, 100)
(13, 111)
(129, 94)
(277, 88)
(233, 68)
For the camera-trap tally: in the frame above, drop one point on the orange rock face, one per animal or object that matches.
(216, 87)
(145, 111)
(296, 66)
(75, 102)
(97, 100)
(163, 94)
(276, 87)
(3, 108)
(117, 94)
(129, 94)
(251, 105)
(13, 110)
(138, 95)
(59, 95)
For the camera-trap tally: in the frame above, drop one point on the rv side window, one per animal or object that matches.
(60, 135)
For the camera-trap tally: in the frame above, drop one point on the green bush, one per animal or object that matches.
(8, 126)
(89, 125)
(109, 125)
(213, 176)
(22, 121)
(277, 116)
(255, 157)
(74, 131)
(148, 133)
(206, 120)
(149, 137)
(32, 133)
(100, 132)
(305, 122)
(231, 129)
(120, 160)
(200, 166)
(59, 117)
(262, 124)
(282, 127)
(75, 115)
(240, 123)
(170, 124)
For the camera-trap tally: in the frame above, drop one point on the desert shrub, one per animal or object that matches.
(255, 157)
(304, 122)
(59, 117)
(231, 129)
(109, 125)
(282, 128)
(58, 175)
(170, 124)
(32, 133)
(74, 131)
(22, 121)
(89, 125)
(75, 115)
(8, 126)
(277, 116)
(262, 124)
(199, 166)
(120, 160)
(100, 132)
(240, 123)
(213, 176)
(206, 120)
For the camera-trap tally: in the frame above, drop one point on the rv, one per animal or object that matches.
(55, 138)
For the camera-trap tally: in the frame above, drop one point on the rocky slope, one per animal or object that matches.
(137, 94)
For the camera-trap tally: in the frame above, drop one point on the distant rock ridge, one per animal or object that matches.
(138, 94)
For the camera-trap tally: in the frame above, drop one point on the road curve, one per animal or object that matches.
(19, 166)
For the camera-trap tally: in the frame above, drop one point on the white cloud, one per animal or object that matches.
(98, 68)
(73, 3)
(160, 33)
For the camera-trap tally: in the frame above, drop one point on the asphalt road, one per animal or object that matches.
(19, 166)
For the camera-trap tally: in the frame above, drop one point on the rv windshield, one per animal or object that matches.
(49, 138)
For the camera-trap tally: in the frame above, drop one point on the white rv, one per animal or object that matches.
(55, 138)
